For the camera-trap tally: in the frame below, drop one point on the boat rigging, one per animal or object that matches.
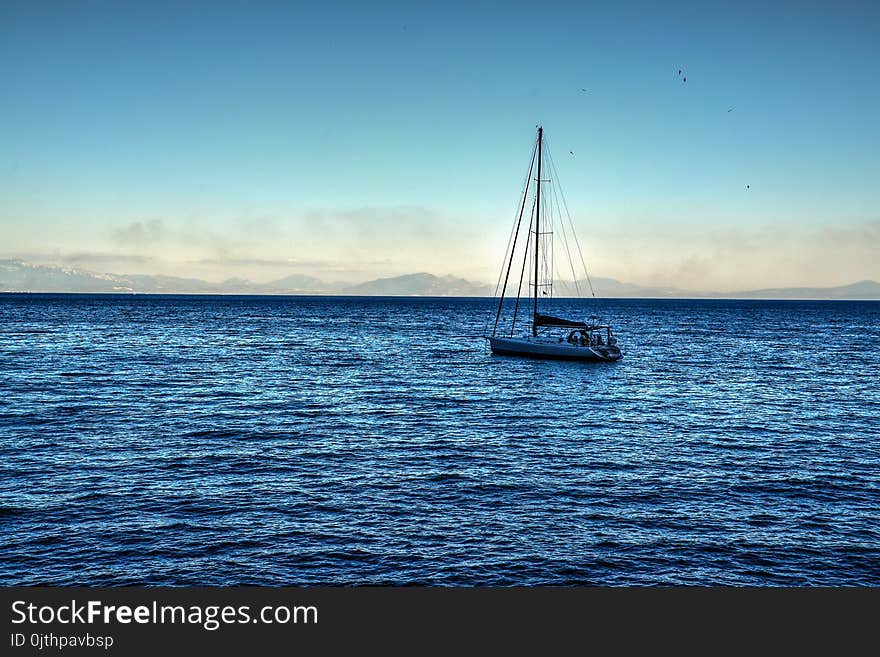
(547, 336)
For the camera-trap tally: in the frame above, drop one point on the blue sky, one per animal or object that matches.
(355, 140)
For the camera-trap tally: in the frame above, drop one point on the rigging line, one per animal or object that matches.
(522, 272)
(547, 260)
(515, 237)
(537, 228)
(552, 273)
(517, 215)
(555, 175)
(552, 209)
(563, 285)
(510, 251)
(574, 233)
(574, 277)
(564, 205)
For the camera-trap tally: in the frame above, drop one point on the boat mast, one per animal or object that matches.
(537, 232)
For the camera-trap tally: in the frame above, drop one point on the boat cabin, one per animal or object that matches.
(580, 334)
(593, 336)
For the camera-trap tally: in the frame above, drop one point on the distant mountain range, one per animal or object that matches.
(20, 276)
(860, 290)
(608, 287)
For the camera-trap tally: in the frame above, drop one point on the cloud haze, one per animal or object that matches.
(359, 244)
(742, 258)
(140, 234)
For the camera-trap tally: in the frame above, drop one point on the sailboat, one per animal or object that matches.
(546, 336)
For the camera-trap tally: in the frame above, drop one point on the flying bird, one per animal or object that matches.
(730, 110)
(679, 72)
(572, 152)
(584, 90)
(684, 79)
(747, 187)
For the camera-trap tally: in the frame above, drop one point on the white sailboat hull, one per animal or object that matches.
(546, 348)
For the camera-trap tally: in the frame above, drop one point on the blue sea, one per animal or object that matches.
(185, 440)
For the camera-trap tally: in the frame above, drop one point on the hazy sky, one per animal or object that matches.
(365, 139)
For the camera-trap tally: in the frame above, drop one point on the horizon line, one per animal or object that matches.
(427, 296)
